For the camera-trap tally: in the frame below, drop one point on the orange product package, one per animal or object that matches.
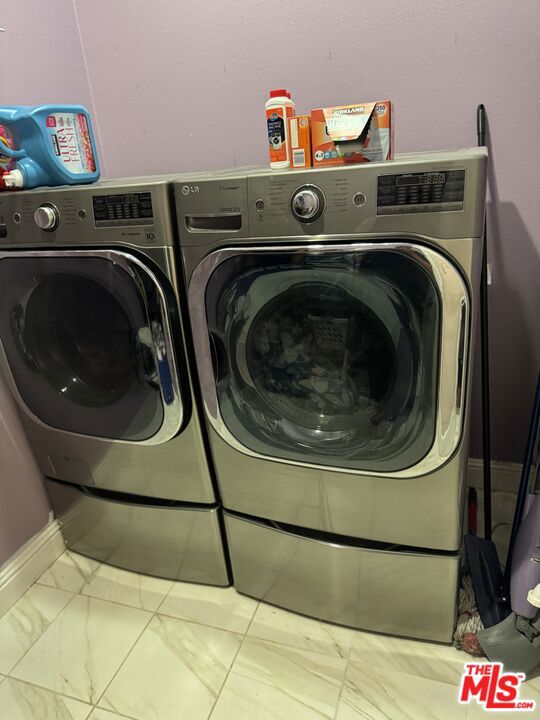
(300, 141)
(352, 133)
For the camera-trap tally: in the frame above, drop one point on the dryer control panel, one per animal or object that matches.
(420, 192)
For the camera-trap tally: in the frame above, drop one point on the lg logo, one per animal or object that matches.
(186, 189)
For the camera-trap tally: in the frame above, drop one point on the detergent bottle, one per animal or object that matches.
(46, 145)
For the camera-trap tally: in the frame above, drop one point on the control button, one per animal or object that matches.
(17, 217)
(259, 205)
(46, 217)
(359, 199)
(307, 203)
(81, 214)
(3, 231)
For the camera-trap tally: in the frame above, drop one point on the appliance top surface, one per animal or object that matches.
(398, 164)
(108, 184)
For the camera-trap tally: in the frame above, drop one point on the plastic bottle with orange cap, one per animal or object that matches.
(279, 108)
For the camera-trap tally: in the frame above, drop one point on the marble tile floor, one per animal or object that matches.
(91, 642)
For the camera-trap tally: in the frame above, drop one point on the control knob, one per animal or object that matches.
(47, 217)
(307, 203)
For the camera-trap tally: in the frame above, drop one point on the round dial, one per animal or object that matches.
(46, 217)
(307, 203)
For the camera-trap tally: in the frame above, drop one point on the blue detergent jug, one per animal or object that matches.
(46, 145)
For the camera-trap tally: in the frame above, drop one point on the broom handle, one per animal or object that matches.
(484, 349)
(532, 440)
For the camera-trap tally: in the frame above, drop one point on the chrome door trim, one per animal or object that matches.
(453, 355)
(162, 345)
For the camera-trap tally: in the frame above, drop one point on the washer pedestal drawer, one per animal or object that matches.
(169, 541)
(406, 593)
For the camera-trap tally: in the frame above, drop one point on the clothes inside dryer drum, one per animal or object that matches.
(331, 360)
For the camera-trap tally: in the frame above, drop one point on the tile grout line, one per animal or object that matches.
(42, 633)
(53, 692)
(152, 615)
(245, 635)
(104, 599)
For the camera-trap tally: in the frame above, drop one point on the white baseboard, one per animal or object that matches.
(29, 563)
(504, 476)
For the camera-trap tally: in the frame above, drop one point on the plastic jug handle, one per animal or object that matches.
(9, 152)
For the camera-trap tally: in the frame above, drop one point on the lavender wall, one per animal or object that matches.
(24, 506)
(40, 62)
(181, 85)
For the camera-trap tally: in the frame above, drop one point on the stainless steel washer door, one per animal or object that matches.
(87, 339)
(347, 357)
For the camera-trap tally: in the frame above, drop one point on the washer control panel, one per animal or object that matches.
(307, 203)
(420, 192)
(135, 214)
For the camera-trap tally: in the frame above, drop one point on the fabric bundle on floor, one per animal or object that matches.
(469, 622)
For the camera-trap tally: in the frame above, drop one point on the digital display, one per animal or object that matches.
(435, 191)
(123, 209)
(421, 179)
(116, 199)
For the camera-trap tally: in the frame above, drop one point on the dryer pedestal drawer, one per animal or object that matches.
(169, 541)
(403, 593)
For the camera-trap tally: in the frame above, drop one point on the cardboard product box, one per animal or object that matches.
(352, 134)
(300, 141)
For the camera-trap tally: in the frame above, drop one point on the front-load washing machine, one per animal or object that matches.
(92, 340)
(333, 313)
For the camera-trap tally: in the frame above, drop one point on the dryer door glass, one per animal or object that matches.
(327, 357)
(84, 338)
